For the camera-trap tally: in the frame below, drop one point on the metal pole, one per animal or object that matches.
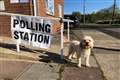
(68, 32)
(62, 43)
(18, 43)
(46, 18)
(18, 47)
(84, 11)
(113, 14)
(35, 7)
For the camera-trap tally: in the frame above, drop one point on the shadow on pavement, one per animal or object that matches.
(45, 56)
(53, 57)
(110, 49)
(13, 47)
(9, 46)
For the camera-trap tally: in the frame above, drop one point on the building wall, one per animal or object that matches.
(23, 8)
(42, 12)
(27, 9)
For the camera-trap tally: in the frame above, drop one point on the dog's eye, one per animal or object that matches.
(84, 40)
(89, 40)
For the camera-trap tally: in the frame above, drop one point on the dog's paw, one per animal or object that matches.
(70, 57)
(74, 56)
(79, 65)
(88, 65)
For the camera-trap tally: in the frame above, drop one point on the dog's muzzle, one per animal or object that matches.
(85, 46)
(87, 43)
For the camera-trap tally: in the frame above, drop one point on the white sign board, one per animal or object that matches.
(31, 31)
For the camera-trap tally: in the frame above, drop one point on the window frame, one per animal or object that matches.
(2, 5)
(49, 5)
(19, 1)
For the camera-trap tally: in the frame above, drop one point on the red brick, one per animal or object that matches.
(27, 9)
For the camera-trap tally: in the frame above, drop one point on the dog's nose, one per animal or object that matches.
(87, 43)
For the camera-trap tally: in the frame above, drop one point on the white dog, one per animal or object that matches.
(83, 46)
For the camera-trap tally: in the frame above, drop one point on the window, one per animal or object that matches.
(14, 1)
(49, 7)
(60, 10)
(2, 6)
(19, 1)
(24, 1)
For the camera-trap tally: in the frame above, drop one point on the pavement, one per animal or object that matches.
(38, 64)
(10, 69)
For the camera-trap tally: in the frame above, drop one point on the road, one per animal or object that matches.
(115, 32)
(114, 29)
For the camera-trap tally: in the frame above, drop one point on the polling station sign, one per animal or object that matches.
(31, 31)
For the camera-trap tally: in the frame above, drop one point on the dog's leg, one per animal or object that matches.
(79, 61)
(79, 57)
(87, 61)
(71, 50)
(87, 57)
(70, 57)
(74, 55)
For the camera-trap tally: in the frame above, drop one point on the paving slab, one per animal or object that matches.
(9, 70)
(41, 71)
(74, 73)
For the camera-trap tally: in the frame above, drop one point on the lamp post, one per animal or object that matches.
(84, 11)
(113, 14)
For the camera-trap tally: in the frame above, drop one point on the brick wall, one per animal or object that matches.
(26, 8)
(4, 26)
(42, 11)
(23, 8)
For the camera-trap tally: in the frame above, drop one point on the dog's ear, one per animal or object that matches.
(81, 45)
(92, 40)
(92, 43)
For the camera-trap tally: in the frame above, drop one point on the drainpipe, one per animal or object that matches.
(35, 7)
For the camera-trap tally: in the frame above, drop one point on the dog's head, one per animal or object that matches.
(87, 42)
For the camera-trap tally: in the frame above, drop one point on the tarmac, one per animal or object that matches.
(36, 64)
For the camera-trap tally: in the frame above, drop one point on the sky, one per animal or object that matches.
(91, 5)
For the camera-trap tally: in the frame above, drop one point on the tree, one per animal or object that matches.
(76, 15)
(105, 14)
